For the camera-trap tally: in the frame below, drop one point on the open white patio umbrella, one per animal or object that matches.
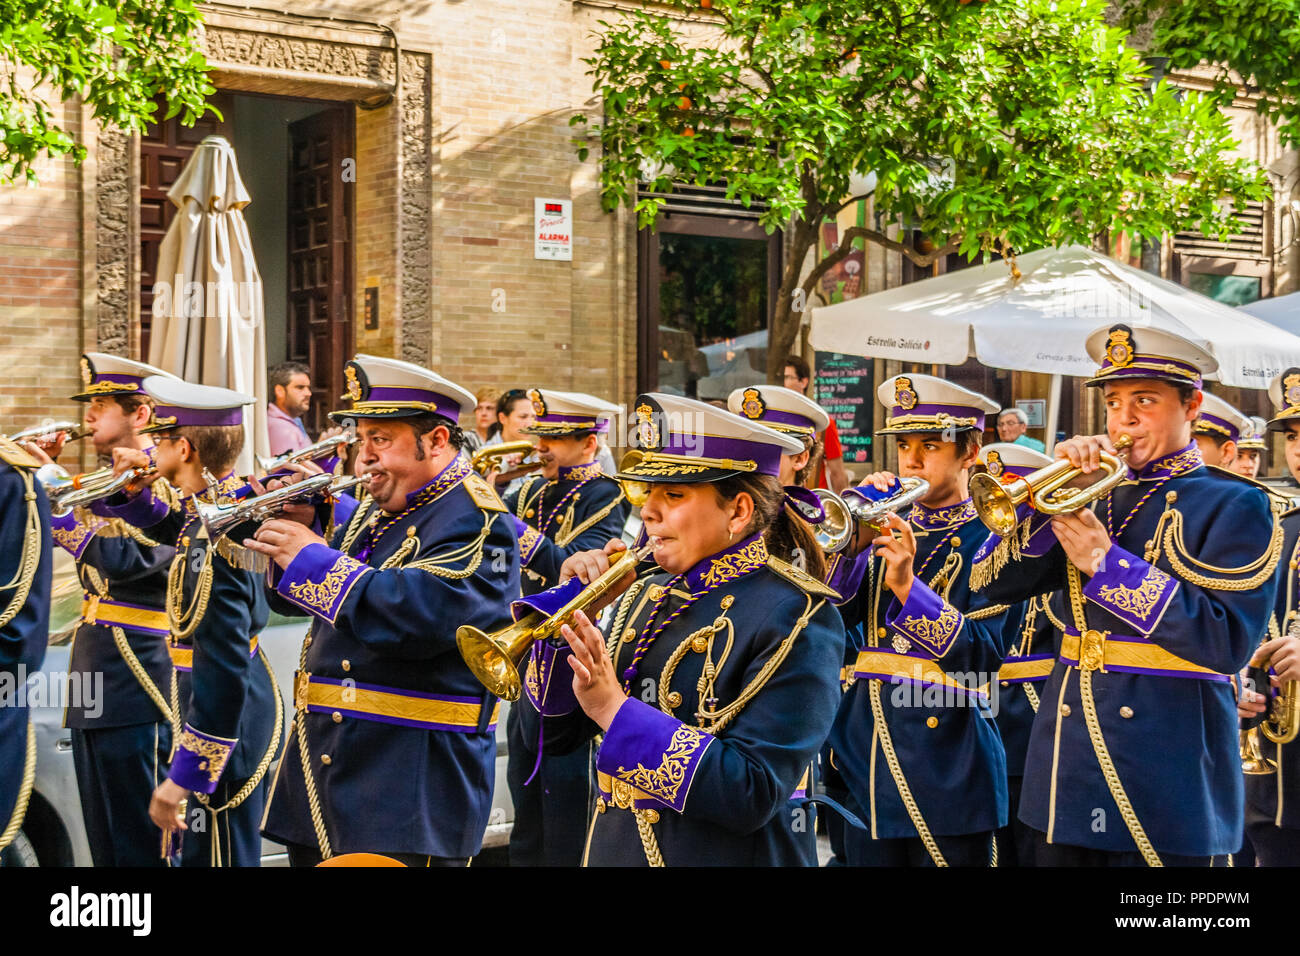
(208, 324)
(1282, 311)
(1038, 323)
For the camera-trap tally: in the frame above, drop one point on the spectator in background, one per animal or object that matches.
(290, 399)
(832, 474)
(485, 420)
(514, 413)
(1012, 425)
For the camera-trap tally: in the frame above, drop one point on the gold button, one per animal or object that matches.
(881, 632)
(932, 722)
(727, 601)
(656, 592)
(629, 635)
(1003, 683)
(185, 541)
(1126, 712)
(700, 644)
(337, 717)
(325, 759)
(306, 641)
(600, 804)
(651, 816)
(956, 541)
(410, 531)
(1065, 710)
(347, 665)
(530, 513)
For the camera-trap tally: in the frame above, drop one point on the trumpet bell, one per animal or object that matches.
(996, 503)
(495, 658)
(838, 526)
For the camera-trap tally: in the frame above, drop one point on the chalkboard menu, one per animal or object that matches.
(846, 390)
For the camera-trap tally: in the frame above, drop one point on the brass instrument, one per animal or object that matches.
(75, 431)
(844, 517)
(1279, 724)
(490, 457)
(1044, 490)
(221, 517)
(495, 658)
(74, 491)
(320, 449)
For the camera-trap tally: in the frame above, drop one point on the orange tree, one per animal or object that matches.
(990, 127)
(117, 57)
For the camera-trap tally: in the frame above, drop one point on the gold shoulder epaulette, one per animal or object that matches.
(801, 579)
(484, 495)
(12, 454)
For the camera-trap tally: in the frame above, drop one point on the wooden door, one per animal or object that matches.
(320, 271)
(165, 147)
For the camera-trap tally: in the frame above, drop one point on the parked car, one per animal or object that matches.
(53, 834)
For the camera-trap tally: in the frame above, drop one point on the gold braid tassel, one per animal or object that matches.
(24, 790)
(30, 557)
(649, 843)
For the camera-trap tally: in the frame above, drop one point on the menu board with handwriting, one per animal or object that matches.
(846, 390)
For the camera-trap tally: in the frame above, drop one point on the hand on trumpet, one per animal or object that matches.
(1283, 655)
(39, 451)
(1251, 701)
(594, 682)
(124, 459)
(301, 512)
(587, 566)
(165, 806)
(280, 539)
(1084, 539)
(1084, 451)
(897, 546)
(884, 482)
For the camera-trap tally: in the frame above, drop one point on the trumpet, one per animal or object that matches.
(221, 517)
(1279, 724)
(75, 431)
(320, 449)
(495, 658)
(844, 517)
(74, 491)
(1044, 490)
(491, 457)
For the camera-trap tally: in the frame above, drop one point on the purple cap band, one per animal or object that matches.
(579, 422)
(787, 418)
(956, 411)
(1140, 367)
(443, 404)
(119, 378)
(767, 457)
(1219, 424)
(198, 416)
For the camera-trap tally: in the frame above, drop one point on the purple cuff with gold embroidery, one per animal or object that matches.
(319, 580)
(70, 534)
(143, 511)
(654, 752)
(1135, 592)
(199, 760)
(926, 619)
(844, 574)
(548, 680)
(530, 540)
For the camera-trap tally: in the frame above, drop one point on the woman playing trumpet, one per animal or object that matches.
(718, 683)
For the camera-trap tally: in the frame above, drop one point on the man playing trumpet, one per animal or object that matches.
(570, 507)
(392, 749)
(1160, 594)
(122, 747)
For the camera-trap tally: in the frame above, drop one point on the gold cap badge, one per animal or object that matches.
(905, 396)
(1119, 349)
(752, 404)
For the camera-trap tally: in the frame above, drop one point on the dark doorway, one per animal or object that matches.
(319, 331)
(706, 290)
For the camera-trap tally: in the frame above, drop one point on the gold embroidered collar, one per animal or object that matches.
(1171, 466)
(742, 558)
(580, 472)
(941, 519)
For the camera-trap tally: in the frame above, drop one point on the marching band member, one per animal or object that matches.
(1163, 591)
(25, 572)
(228, 706)
(1218, 431)
(121, 748)
(794, 414)
(719, 680)
(914, 737)
(1272, 819)
(392, 749)
(1251, 450)
(1025, 669)
(570, 507)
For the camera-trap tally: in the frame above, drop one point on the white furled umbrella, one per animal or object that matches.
(208, 324)
(1282, 311)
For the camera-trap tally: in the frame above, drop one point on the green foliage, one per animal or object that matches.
(1251, 43)
(1000, 126)
(117, 57)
